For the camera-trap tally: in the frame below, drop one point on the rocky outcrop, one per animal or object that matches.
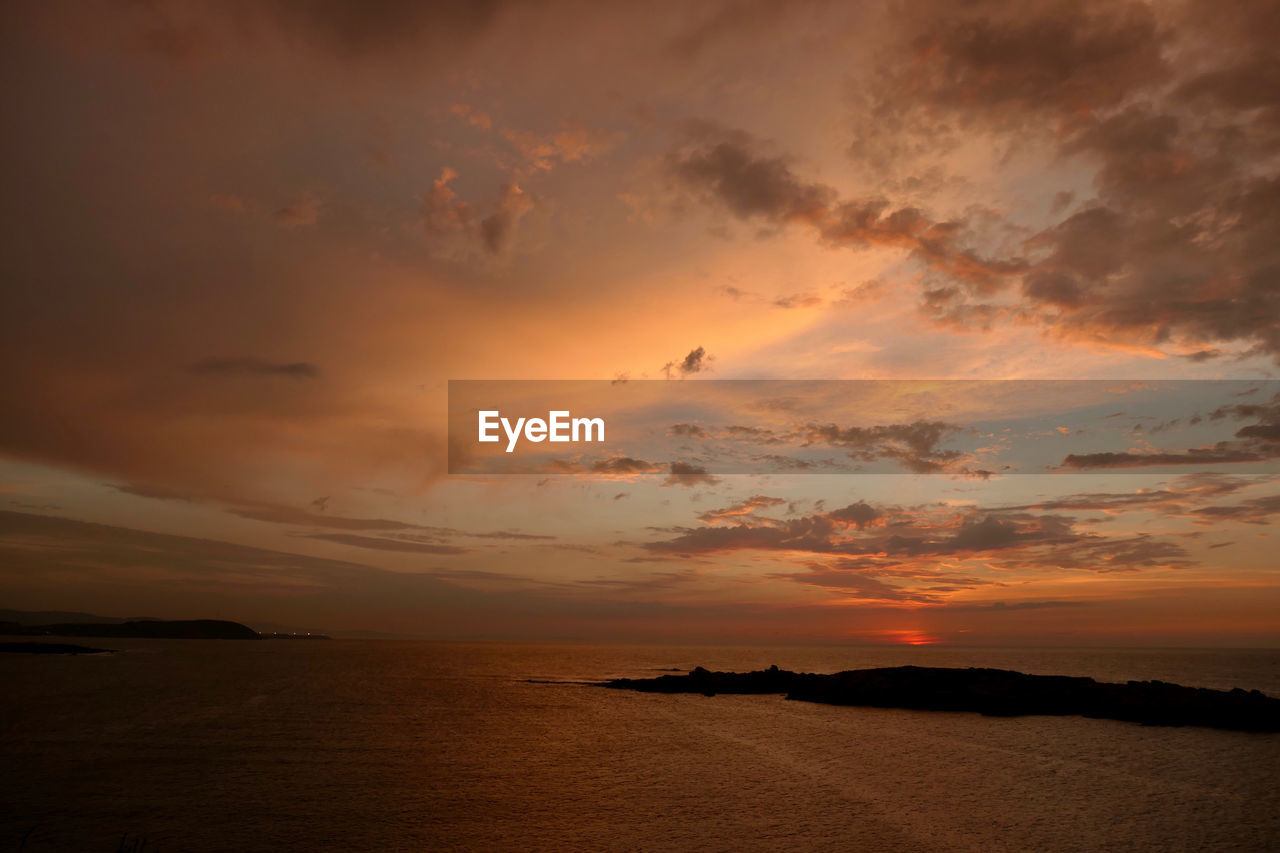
(994, 692)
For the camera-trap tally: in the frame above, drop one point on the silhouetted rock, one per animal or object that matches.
(189, 629)
(995, 692)
(50, 649)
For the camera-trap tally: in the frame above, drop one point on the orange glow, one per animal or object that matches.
(909, 637)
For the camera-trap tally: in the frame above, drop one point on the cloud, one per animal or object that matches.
(474, 118)
(748, 185)
(574, 142)
(624, 466)
(1175, 251)
(1222, 454)
(123, 570)
(998, 606)
(442, 211)
(510, 534)
(690, 430)
(798, 300)
(302, 518)
(860, 514)
(1005, 67)
(695, 362)
(684, 474)
(153, 492)
(446, 216)
(244, 366)
(1175, 497)
(917, 542)
(730, 174)
(379, 543)
(1256, 442)
(304, 210)
(915, 445)
(1267, 428)
(496, 228)
(744, 507)
(402, 533)
(1261, 510)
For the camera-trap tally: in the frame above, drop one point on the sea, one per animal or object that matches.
(382, 745)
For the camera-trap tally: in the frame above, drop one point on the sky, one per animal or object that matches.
(248, 245)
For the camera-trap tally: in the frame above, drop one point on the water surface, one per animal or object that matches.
(362, 745)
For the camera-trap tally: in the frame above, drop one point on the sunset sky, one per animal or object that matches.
(247, 245)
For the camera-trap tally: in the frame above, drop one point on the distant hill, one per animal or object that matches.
(186, 629)
(11, 620)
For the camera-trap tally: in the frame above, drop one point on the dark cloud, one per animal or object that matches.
(783, 463)
(1254, 511)
(1256, 442)
(495, 229)
(730, 174)
(917, 542)
(221, 366)
(446, 217)
(859, 514)
(1179, 494)
(749, 185)
(1267, 428)
(1177, 249)
(743, 507)
(302, 211)
(915, 445)
(998, 606)
(1113, 554)
(624, 465)
(379, 543)
(757, 435)
(58, 545)
(1222, 454)
(153, 492)
(112, 570)
(303, 518)
(404, 532)
(684, 474)
(798, 300)
(1013, 66)
(992, 533)
(1264, 432)
(695, 362)
(690, 430)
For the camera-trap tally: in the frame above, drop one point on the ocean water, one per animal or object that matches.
(381, 745)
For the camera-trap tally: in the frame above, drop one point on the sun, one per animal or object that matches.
(909, 637)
